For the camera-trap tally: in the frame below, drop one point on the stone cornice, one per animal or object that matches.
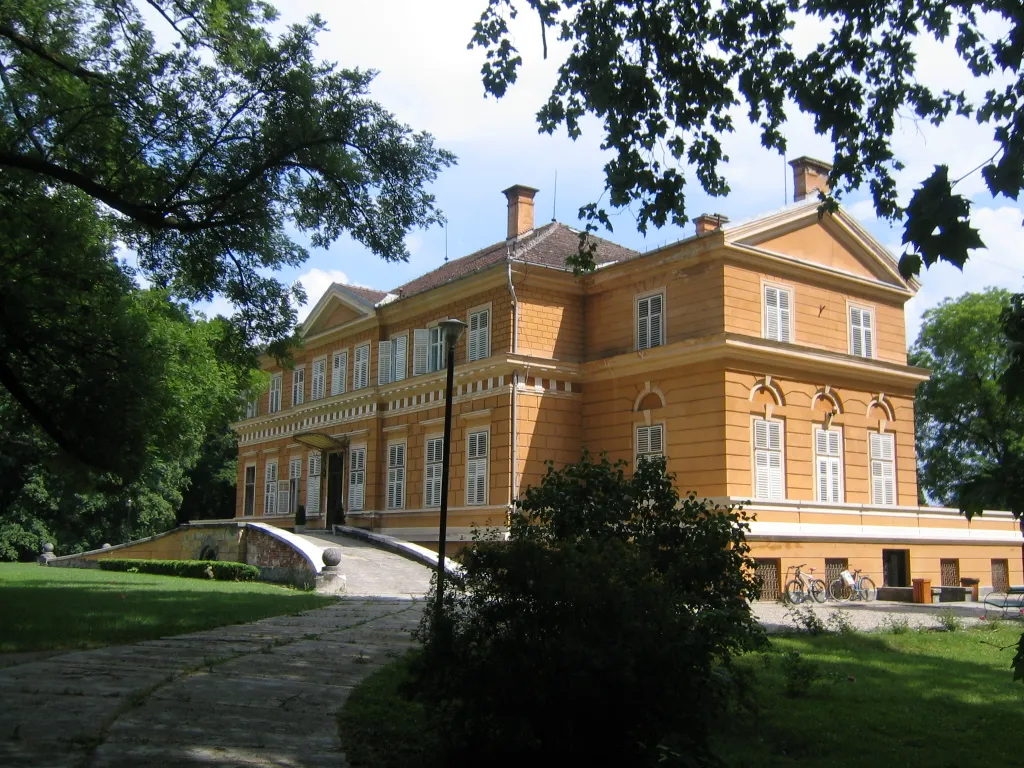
(773, 357)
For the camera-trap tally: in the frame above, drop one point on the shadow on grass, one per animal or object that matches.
(90, 615)
(919, 699)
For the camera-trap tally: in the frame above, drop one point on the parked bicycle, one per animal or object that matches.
(852, 586)
(800, 587)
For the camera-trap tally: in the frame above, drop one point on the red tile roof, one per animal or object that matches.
(368, 295)
(548, 245)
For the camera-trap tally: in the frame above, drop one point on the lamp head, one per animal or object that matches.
(452, 330)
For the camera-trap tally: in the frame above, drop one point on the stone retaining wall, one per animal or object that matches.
(281, 556)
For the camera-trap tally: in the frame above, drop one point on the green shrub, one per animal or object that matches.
(189, 569)
(806, 619)
(798, 674)
(841, 622)
(896, 625)
(601, 632)
(950, 620)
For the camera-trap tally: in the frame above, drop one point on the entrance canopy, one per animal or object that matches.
(321, 441)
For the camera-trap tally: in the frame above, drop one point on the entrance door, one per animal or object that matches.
(335, 489)
(896, 567)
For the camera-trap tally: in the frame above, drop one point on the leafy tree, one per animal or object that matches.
(194, 391)
(970, 434)
(600, 632)
(668, 78)
(970, 423)
(201, 155)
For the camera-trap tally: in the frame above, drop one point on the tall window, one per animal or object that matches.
(298, 386)
(436, 360)
(274, 400)
(777, 313)
(270, 489)
(252, 409)
(319, 383)
(391, 359)
(828, 464)
(479, 335)
(290, 501)
(862, 323)
(476, 469)
(396, 476)
(650, 325)
(339, 372)
(883, 468)
(249, 505)
(356, 477)
(361, 369)
(313, 483)
(768, 479)
(434, 464)
(650, 441)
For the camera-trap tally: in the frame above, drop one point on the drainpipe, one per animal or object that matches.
(513, 489)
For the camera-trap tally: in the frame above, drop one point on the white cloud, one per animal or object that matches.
(316, 282)
(1001, 265)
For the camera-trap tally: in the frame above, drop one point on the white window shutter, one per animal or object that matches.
(313, 484)
(823, 478)
(401, 357)
(319, 380)
(775, 435)
(420, 349)
(657, 441)
(479, 335)
(356, 477)
(476, 470)
(654, 338)
(383, 362)
(275, 394)
(361, 374)
(643, 324)
(775, 475)
(298, 386)
(643, 440)
(760, 433)
(771, 312)
(784, 316)
(762, 479)
(339, 372)
(865, 319)
(270, 489)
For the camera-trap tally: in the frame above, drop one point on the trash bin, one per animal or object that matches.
(922, 590)
(971, 584)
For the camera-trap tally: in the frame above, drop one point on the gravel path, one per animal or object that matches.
(867, 617)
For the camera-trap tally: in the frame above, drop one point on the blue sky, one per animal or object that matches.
(430, 81)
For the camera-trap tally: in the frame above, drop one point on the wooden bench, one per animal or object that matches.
(1008, 603)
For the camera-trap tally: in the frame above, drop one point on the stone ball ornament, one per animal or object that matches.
(332, 556)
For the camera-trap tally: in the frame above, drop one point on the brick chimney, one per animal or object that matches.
(709, 222)
(809, 176)
(520, 210)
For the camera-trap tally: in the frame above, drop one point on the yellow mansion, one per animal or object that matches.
(765, 360)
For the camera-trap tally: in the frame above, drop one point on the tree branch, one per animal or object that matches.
(30, 46)
(10, 382)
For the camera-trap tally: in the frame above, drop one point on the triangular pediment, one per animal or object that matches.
(834, 241)
(336, 307)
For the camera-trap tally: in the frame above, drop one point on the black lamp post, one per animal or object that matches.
(452, 330)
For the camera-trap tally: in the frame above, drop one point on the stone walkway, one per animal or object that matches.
(373, 572)
(260, 694)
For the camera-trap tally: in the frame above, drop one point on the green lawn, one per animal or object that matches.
(45, 609)
(920, 699)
